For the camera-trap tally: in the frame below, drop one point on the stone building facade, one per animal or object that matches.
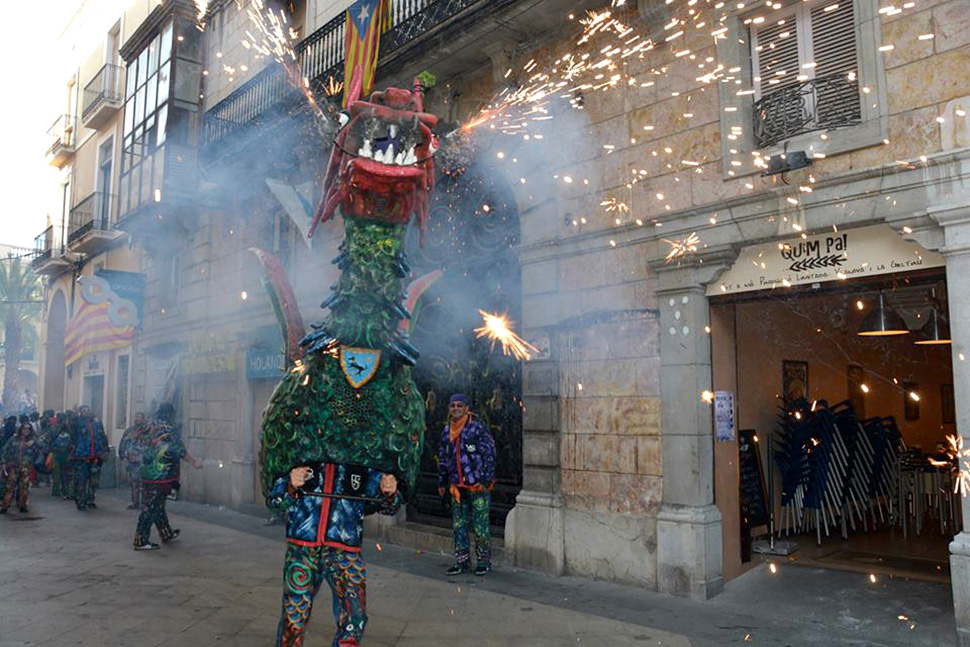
(619, 463)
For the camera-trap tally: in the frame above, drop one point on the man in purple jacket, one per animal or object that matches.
(466, 467)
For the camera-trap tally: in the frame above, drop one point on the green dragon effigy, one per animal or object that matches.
(343, 432)
(349, 396)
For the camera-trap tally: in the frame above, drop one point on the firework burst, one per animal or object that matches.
(497, 329)
(682, 247)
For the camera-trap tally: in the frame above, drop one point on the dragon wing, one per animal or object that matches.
(284, 303)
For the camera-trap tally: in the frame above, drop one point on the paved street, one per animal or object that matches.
(70, 578)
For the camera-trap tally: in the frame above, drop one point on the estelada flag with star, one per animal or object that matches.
(366, 21)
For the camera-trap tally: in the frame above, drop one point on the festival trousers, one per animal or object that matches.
(17, 476)
(134, 477)
(61, 475)
(474, 505)
(153, 500)
(304, 571)
(86, 477)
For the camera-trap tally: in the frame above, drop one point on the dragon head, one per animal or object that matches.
(381, 166)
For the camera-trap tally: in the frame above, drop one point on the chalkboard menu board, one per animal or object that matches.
(753, 497)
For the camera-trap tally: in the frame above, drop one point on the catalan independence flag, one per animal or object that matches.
(91, 331)
(366, 21)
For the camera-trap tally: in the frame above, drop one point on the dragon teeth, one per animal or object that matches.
(393, 129)
(379, 157)
(399, 160)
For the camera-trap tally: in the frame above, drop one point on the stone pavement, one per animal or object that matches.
(71, 578)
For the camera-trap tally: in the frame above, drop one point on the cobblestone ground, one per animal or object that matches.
(71, 578)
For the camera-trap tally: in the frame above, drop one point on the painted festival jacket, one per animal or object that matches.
(470, 460)
(331, 521)
(20, 452)
(90, 441)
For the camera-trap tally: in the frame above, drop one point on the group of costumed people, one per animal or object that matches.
(68, 447)
(343, 433)
(71, 447)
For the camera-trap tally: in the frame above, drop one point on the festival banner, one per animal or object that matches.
(104, 321)
(366, 21)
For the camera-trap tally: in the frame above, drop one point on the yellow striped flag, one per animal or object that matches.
(91, 331)
(366, 21)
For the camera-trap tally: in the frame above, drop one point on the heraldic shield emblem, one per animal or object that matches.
(359, 364)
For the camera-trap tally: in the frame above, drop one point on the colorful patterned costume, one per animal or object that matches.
(60, 449)
(349, 408)
(87, 454)
(324, 536)
(466, 467)
(19, 454)
(130, 451)
(160, 470)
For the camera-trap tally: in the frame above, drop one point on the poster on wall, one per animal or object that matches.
(724, 416)
(948, 413)
(856, 377)
(911, 404)
(794, 380)
(832, 256)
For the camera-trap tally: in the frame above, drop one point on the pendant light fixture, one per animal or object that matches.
(936, 330)
(883, 321)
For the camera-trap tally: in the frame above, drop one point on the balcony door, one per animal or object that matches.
(102, 206)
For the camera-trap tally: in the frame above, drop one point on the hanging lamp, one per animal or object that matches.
(936, 330)
(883, 321)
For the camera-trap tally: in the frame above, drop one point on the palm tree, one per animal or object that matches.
(20, 301)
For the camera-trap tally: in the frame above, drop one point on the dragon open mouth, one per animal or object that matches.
(386, 151)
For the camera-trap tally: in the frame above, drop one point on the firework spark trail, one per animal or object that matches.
(957, 460)
(679, 248)
(274, 38)
(496, 329)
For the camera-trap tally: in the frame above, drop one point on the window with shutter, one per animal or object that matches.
(804, 69)
(834, 45)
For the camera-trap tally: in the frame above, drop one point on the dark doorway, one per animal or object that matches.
(472, 229)
(94, 394)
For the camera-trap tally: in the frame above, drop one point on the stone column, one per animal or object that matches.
(956, 250)
(689, 524)
(534, 529)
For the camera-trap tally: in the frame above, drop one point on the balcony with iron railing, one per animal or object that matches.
(62, 137)
(91, 223)
(819, 104)
(320, 56)
(102, 97)
(49, 253)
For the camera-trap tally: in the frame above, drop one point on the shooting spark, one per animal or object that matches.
(679, 248)
(497, 329)
(961, 473)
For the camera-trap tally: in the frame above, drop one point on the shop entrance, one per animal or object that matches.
(843, 392)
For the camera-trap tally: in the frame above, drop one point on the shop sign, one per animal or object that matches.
(724, 418)
(262, 364)
(210, 354)
(835, 256)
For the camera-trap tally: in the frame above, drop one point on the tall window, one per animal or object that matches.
(121, 391)
(147, 94)
(804, 70)
(161, 108)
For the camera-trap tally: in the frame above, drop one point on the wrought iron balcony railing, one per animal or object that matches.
(825, 102)
(104, 87)
(93, 213)
(47, 246)
(320, 58)
(61, 134)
